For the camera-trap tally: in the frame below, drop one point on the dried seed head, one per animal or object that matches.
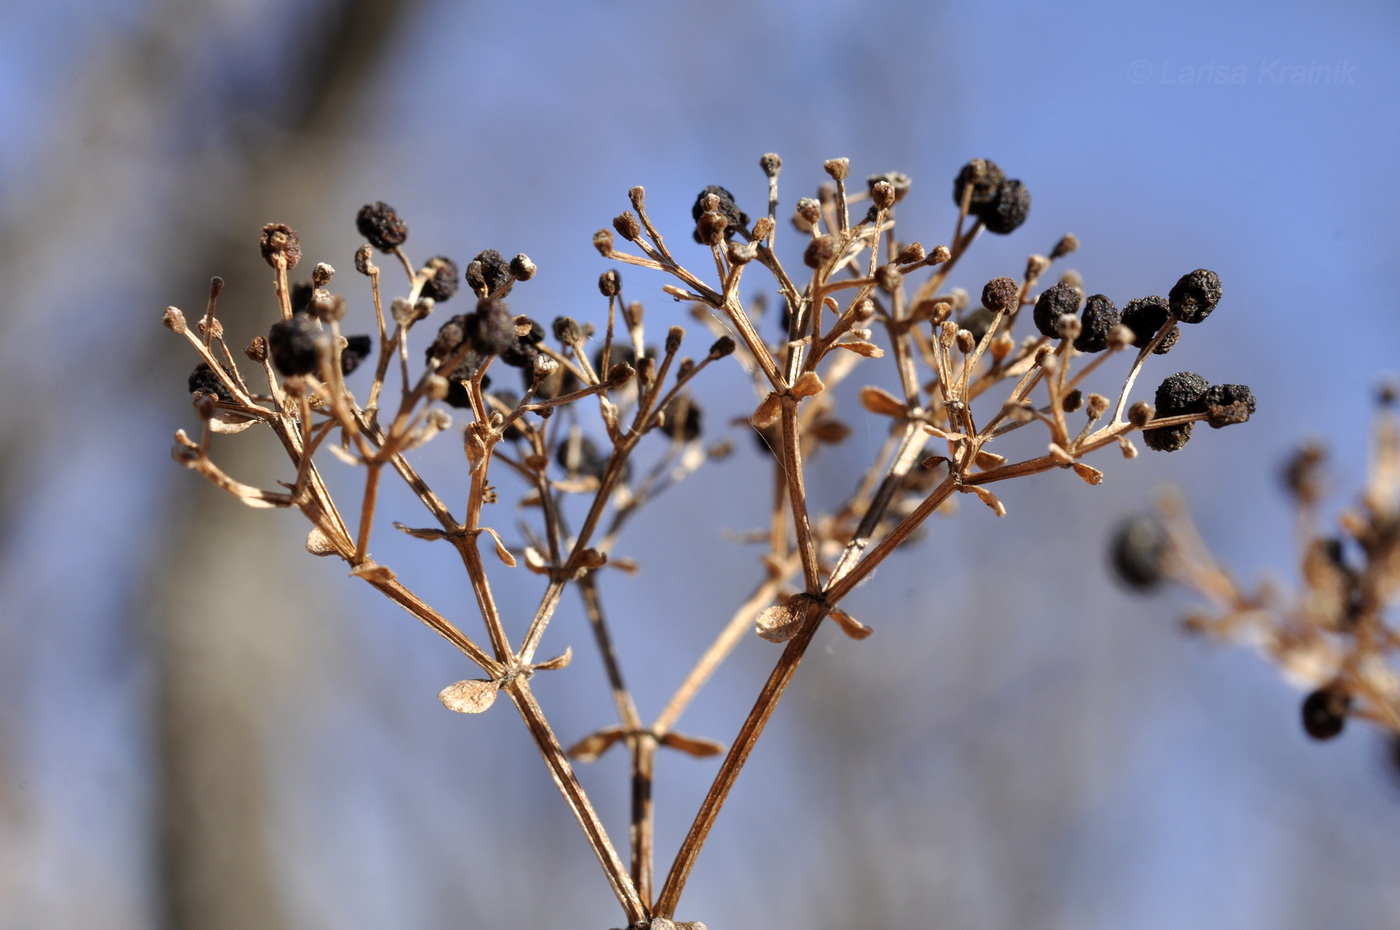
(1036, 266)
(381, 226)
(820, 250)
(984, 177)
(1067, 244)
(762, 228)
(627, 225)
(610, 283)
(567, 331)
(1141, 413)
(363, 264)
(723, 346)
(321, 275)
(326, 307)
(280, 242)
(1072, 401)
(1067, 327)
(1325, 711)
(1228, 403)
(888, 278)
(734, 218)
(1008, 210)
(1302, 473)
(257, 349)
(882, 194)
(297, 346)
(443, 278)
(1097, 406)
(741, 253)
(911, 253)
(899, 186)
(771, 164)
(603, 242)
(1137, 550)
(174, 320)
(1194, 296)
(674, 335)
(1098, 319)
(1055, 303)
(940, 255)
(838, 168)
(355, 351)
(966, 342)
(711, 228)
(1000, 295)
(809, 210)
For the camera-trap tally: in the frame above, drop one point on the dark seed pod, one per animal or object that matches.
(566, 330)
(203, 381)
(1145, 316)
(300, 295)
(1179, 394)
(522, 353)
(381, 226)
(610, 283)
(1058, 301)
(819, 251)
(984, 177)
(280, 239)
(771, 164)
(521, 268)
(1099, 317)
(1000, 295)
(489, 274)
(1325, 712)
(443, 278)
(627, 226)
(357, 349)
(1008, 210)
(296, 345)
(491, 328)
(1194, 296)
(1136, 552)
(682, 420)
(1228, 403)
(736, 219)
(723, 346)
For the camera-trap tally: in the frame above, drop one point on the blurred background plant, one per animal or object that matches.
(1056, 755)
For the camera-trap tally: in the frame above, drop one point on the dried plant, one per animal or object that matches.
(960, 379)
(1330, 637)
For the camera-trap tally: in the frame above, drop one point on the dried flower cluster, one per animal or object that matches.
(1331, 637)
(574, 425)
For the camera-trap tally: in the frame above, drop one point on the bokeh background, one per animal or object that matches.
(203, 727)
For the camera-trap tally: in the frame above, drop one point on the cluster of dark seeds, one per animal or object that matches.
(1001, 205)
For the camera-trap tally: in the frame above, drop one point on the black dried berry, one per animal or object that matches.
(296, 345)
(580, 455)
(1053, 303)
(737, 219)
(357, 349)
(1099, 317)
(1000, 295)
(489, 274)
(443, 278)
(457, 394)
(1195, 295)
(977, 322)
(985, 177)
(1137, 550)
(381, 226)
(1181, 393)
(491, 328)
(203, 381)
(1008, 210)
(1325, 712)
(280, 239)
(682, 420)
(1145, 316)
(1228, 403)
(449, 338)
(301, 295)
(522, 353)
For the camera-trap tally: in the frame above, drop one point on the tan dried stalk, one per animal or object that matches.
(852, 309)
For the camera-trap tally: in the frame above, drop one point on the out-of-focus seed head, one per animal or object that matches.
(603, 242)
(363, 260)
(1324, 712)
(1008, 210)
(356, 350)
(1067, 244)
(1303, 474)
(820, 250)
(888, 278)
(443, 278)
(1194, 296)
(381, 226)
(771, 164)
(940, 255)
(297, 346)
(683, 420)
(280, 240)
(984, 177)
(723, 346)
(491, 328)
(911, 253)
(203, 381)
(1228, 403)
(567, 331)
(1137, 551)
(1141, 413)
(1099, 317)
(1053, 303)
(1001, 295)
(326, 307)
(610, 283)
